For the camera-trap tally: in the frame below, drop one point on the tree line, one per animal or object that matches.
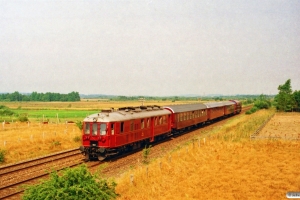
(286, 99)
(35, 96)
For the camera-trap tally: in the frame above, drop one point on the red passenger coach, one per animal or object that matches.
(214, 110)
(229, 107)
(115, 131)
(187, 115)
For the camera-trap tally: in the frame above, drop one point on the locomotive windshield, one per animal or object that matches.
(87, 128)
(94, 132)
(103, 129)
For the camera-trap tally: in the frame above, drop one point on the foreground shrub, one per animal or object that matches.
(75, 183)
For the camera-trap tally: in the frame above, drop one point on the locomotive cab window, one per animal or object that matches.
(87, 128)
(103, 129)
(94, 131)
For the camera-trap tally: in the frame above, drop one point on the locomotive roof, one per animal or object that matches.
(228, 103)
(236, 101)
(218, 104)
(127, 113)
(186, 107)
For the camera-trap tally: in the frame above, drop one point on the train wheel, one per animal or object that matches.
(101, 154)
(101, 157)
(87, 158)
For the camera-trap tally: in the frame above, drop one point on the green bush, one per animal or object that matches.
(74, 183)
(2, 156)
(79, 124)
(76, 139)
(252, 110)
(248, 112)
(23, 118)
(56, 143)
(262, 104)
(5, 111)
(146, 152)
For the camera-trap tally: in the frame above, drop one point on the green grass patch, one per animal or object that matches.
(38, 115)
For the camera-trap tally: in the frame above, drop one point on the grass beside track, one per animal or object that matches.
(228, 165)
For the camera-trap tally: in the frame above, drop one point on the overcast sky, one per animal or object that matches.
(150, 47)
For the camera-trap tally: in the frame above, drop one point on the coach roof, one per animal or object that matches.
(218, 104)
(185, 107)
(124, 115)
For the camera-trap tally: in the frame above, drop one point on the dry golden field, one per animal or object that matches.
(228, 166)
(23, 141)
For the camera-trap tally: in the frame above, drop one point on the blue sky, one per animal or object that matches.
(155, 48)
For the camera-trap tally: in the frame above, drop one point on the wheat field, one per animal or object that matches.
(227, 166)
(23, 141)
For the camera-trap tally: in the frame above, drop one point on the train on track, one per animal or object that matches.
(117, 131)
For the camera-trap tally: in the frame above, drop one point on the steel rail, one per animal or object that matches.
(31, 162)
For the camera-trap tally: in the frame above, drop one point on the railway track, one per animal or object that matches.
(28, 172)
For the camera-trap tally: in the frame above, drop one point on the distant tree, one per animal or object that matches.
(284, 99)
(296, 95)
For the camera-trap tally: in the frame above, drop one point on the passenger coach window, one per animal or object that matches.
(103, 129)
(122, 127)
(94, 132)
(87, 128)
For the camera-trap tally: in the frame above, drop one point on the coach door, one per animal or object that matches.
(112, 134)
(152, 129)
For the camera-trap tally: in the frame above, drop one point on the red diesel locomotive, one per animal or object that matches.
(113, 132)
